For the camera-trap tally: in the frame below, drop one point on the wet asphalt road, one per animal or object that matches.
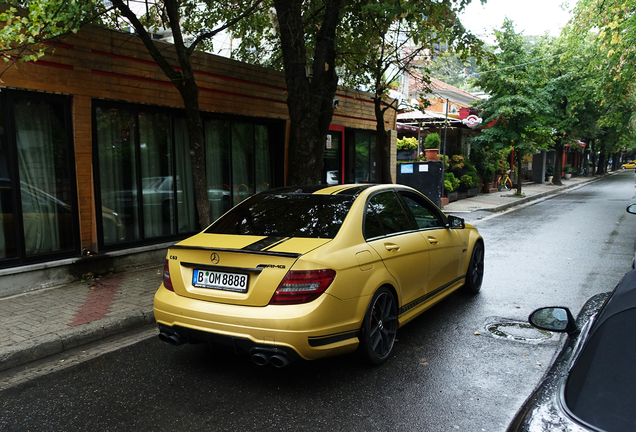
(447, 371)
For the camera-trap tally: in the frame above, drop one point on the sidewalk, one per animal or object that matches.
(499, 201)
(42, 323)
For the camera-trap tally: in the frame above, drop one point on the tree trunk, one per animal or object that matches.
(310, 99)
(190, 95)
(184, 82)
(519, 155)
(600, 167)
(558, 162)
(382, 146)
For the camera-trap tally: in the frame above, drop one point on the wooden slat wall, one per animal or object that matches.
(100, 63)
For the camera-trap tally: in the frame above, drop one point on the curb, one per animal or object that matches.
(55, 343)
(518, 201)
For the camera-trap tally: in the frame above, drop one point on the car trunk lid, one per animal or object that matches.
(240, 270)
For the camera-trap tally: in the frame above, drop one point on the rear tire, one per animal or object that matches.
(475, 274)
(379, 327)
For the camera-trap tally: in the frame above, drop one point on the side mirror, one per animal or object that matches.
(555, 319)
(631, 208)
(455, 222)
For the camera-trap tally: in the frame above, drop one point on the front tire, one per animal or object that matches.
(475, 274)
(379, 327)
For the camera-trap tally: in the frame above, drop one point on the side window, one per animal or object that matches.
(385, 216)
(423, 212)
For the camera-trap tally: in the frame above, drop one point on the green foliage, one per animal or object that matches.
(24, 31)
(518, 99)
(445, 160)
(449, 68)
(457, 162)
(407, 143)
(450, 182)
(468, 181)
(569, 169)
(432, 141)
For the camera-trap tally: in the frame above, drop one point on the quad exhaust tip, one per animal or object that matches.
(171, 338)
(276, 360)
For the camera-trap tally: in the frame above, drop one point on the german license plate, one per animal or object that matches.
(220, 280)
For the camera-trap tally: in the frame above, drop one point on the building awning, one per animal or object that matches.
(424, 118)
(400, 127)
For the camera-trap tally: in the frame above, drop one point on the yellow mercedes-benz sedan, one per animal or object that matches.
(310, 272)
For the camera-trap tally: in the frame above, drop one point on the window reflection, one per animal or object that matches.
(45, 186)
(286, 215)
(116, 142)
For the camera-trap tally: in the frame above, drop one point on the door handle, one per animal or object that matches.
(432, 240)
(391, 247)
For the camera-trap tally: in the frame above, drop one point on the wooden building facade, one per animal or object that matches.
(94, 159)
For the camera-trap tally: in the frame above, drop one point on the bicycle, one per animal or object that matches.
(504, 182)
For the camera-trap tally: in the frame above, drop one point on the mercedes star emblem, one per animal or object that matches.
(214, 258)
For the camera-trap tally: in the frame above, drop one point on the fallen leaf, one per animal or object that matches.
(539, 363)
(477, 333)
(518, 307)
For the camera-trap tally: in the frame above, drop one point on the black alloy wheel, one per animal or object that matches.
(379, 327)
(475, 275)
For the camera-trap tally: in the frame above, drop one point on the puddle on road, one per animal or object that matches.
(518, 331)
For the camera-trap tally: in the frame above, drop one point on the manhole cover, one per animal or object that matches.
(516, 331)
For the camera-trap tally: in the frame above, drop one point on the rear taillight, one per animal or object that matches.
(302, 286)
(167, 282)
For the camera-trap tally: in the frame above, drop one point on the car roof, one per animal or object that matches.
(347, 189)
(623, 298)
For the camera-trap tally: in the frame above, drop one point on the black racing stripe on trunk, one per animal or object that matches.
(257, 252)
(264, 244)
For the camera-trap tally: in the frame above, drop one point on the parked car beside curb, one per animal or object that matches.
(590, 386)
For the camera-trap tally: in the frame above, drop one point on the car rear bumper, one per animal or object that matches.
(310, 331)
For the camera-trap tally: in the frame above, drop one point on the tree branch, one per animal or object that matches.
(175, 76)
(212, 33)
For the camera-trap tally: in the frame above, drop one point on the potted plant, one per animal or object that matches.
(431, 145)
(487, 174)
(469, 183)
(549, 172)
(568, 170)
(406, 148)
(451, 183)
(457, 162)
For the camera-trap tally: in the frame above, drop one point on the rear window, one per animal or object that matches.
(285, 215)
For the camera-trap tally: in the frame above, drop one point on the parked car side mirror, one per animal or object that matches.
(631, 208)
(455, 222)
(555, 319)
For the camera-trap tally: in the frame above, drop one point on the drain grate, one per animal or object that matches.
(518, 331)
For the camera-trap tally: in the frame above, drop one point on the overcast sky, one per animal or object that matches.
(533, 17)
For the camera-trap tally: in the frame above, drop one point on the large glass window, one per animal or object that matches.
(217, 150)
(117, 160)
(157, 179)
(8, 242)
(145, 171)
(238, 162)
(364, 157)
(186, 211)
(37, 179)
